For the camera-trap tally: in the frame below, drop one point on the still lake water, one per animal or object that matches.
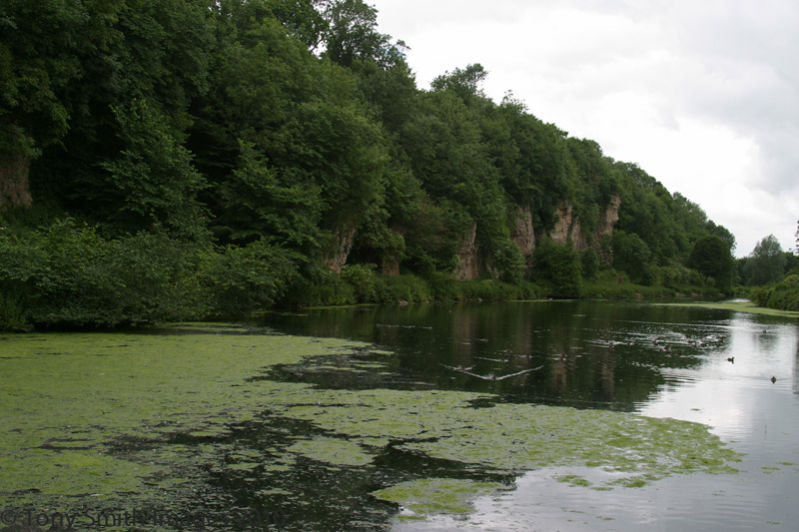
(304, 417)
(707, 366)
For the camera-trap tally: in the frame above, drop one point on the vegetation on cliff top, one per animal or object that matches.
(173, 159)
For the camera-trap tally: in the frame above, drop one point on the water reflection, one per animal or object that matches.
(583, 354)
(712, 367)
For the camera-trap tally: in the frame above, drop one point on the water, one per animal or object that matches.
(707, 366)
(231, 423)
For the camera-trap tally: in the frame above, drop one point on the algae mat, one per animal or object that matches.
(197, 426)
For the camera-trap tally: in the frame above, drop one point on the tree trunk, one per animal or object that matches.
(14, 189)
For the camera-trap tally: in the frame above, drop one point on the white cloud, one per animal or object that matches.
(702, 95)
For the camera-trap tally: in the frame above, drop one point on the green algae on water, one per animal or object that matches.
(144, 417)
(92, 413)
(334, 451)
(739, 306)
(436, 495)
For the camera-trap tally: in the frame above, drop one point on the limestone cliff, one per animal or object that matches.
(568, 227)
(389, 267)
(522, 232)
(468, 259)
(342, 245)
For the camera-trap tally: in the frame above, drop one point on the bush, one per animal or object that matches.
(13, 313)
(558, 266)
(318, 287)
(589, 261)
(782, 296)
(68, 275)
(240, 280)
(509, 262)
(632, 255)
(362, 278)
(402, 288)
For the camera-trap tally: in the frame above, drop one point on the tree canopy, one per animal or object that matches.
(292, 132)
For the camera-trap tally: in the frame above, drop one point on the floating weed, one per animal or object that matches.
(68, 419)
(333, 451)
(573, 480)
(170, 414)
(436, 495)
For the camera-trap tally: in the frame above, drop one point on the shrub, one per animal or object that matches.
(589, 261)
(68, 275)
(239, 280)
(557, 265)
(782, 296)
(632, 255)
(402, 288)
(362, 278)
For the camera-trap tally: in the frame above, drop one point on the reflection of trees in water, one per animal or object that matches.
(593, 353)
(796, 368)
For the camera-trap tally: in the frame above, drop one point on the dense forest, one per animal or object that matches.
(182, 159)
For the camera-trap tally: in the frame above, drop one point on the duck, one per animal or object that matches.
(773, 379)
(731, 359)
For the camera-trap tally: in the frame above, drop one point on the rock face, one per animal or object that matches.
(14, 189)
(609, 217)
(568, 227)
(468, 259)
(522, 232)
(342, 246)
(389, 267)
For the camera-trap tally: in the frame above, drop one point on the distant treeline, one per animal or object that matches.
(177, 159)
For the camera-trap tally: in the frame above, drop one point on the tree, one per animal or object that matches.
(711, 256)
(632, 255)
(39, 42)
(464, 82)
(558, 265)
(352, 35)
(766, 264)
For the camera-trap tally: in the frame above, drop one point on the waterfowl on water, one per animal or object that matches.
(773, 379)
(731, 359)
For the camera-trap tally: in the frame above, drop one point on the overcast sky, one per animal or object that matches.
(702, 94)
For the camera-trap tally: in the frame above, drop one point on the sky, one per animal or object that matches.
(701, 94)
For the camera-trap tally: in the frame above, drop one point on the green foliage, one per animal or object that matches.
(211, 152)
(13, 312)
(632, 255)
(508, 261)
(67, 274)
(244, 279)
(558, 265)
(363, 279)
(39, 50)
(464, 82)
(679, 277)
(398, 288)
(782, 296)
(766, 264)
(711, 257)
(589, 262)
(445, 288)
(610, 285)
(352, 35)
(152, 181)
(255, 203)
